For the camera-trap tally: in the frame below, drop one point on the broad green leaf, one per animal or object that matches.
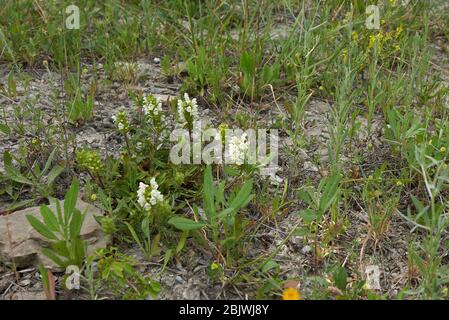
(79, 248)
(269, 265)
(55, 258)
(185, 224)
(330, 192)
(54, 173)
(49, 218)
(247, 64)
(60, 247)
(134, 235)
(146, 227)
(70, 199)
(308, 215)
(243, 197)
(59, 213)
(76, 223)
(16, 176)
(340, 278)
(41, 228)
(155, 245)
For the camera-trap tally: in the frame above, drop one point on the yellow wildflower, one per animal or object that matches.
(399, 31)
(214, 266)
(344, 55)
(372, 41)
(291, 294)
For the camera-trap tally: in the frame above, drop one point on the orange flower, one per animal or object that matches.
(291, 294)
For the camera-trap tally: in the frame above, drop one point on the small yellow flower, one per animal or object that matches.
(399, 183)
(443, 149)
(291, 294)
(93, 197)
(372, 41)
(355, 36)
(399, 31)
(345, 55)
(214, 266)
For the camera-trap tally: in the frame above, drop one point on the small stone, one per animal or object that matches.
(25, 282)
(157, 60)
(178, 279)
(306, 249)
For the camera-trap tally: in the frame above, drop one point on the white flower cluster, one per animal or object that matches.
(152, 106)
(148, 196)
(238, 148)
(121, 121)
(187, 110)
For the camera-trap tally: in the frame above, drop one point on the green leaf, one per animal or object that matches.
(54, 257)
(49, 218)
(167, 256)
(70, 199)
(7, 158)
(208, 194)
(146, 227)
(182, 241)
(340, 278)
(330, 192)
(49, 161)
(41, 228)
(44, 276)
(308, 215)
(243, 197)
(247, 64)
(134, 235)
(269, 265)
(54, 173)
(16, 176)
(4, 128)
(76, 223)
(60, 247)
(79, 248)
(185, 224)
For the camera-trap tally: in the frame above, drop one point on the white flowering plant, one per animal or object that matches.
(121, 121)
(154, 115)
(187, 111)
(149, 196)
